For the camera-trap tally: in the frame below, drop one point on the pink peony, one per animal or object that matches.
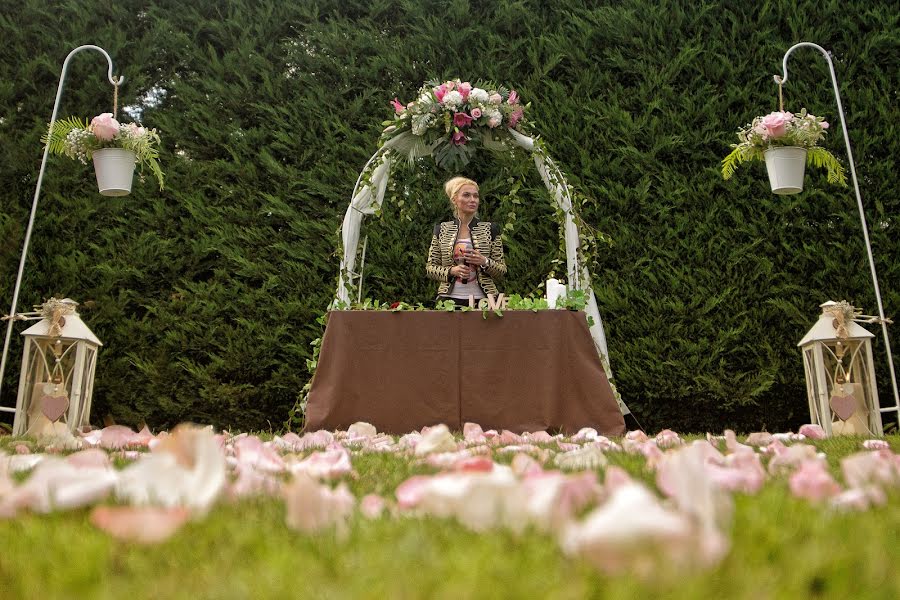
(459, 138)
(496, 98)
(464, 89)
(439, 92)
(398, 108)
(461, 119)
(105, 127)
(513, 97)
(776, 123)
(476, 113)
(494, 122)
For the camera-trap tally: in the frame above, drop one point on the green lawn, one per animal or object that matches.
(782, 547)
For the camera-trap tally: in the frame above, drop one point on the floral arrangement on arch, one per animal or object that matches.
(78, 139)
(447, 120)
(781, 128)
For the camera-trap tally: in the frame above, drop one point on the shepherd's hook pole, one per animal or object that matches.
(34, 203)
(859, 204)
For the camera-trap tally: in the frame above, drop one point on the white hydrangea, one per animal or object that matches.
(478, 96)
(453, 99)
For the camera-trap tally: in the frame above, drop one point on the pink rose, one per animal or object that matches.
(464, 89)
(476, 113)
(776, 124)
(439, 92)
(496, 98)
(450, 85)
(105, 127)
(459, 138)
(398, 108)
(461, 119)
(515, 117)
(513, 97)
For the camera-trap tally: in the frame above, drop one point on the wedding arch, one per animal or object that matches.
(447, 122)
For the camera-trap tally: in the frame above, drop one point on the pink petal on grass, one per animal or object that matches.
(186, 468)
(668, 439)
(879, 467)
(372, 505)
(760, 438)
(436, 439)
(792, 457)
(117, 436)
(812, 481)
(312, 506)
(472, 433)
(92, 457)
(876, 445)
(56, 484)
(330, 464)
(813, 432)
(252, 452)
(143, 525)
(632, 532)
(362, 430)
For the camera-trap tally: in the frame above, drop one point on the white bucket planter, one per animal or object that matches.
(115, 170)
(786, 166)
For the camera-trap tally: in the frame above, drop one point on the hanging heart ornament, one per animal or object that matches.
(54, 407)
(843, 406)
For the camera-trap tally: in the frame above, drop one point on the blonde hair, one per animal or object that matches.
(452, 187)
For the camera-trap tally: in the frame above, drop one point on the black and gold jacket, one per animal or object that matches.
(485, 239)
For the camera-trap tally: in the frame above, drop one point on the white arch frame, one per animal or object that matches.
(368, 197)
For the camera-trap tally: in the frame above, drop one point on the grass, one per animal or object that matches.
(782, 547)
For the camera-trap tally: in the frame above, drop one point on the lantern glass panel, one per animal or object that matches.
(48, 383)
(814, 390)
(849, 386)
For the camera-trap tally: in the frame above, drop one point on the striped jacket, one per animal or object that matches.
(485, 239)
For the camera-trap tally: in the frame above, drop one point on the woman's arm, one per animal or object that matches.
(434, 269)
(495, 265)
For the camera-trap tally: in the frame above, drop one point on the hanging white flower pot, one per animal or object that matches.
(115, 170)
(786, 166)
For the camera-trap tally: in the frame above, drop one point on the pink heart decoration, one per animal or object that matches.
(54, 407)
(843, 406)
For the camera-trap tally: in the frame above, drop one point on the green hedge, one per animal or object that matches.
(206, 294)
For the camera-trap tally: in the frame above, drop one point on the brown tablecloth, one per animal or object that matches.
(525, 371)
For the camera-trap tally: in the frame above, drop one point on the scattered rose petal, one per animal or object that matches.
(312, 506)
(813, 432)
(141, 524)
(812, 481)
(436, 439)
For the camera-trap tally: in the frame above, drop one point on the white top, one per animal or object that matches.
(462, 290)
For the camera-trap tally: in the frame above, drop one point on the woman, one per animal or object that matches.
(466, 254)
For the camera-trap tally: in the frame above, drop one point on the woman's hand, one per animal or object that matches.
(474, 257)
(462, 271)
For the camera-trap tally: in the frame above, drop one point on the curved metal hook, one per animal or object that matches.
(783, 80)
(109, 72)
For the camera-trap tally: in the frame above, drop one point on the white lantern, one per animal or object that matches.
(840, 373)
(57, 378)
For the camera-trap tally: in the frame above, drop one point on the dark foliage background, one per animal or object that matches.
(206, 294)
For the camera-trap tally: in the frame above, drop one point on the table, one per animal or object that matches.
(400, 371)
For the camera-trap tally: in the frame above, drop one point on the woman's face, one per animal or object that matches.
(467, 200)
